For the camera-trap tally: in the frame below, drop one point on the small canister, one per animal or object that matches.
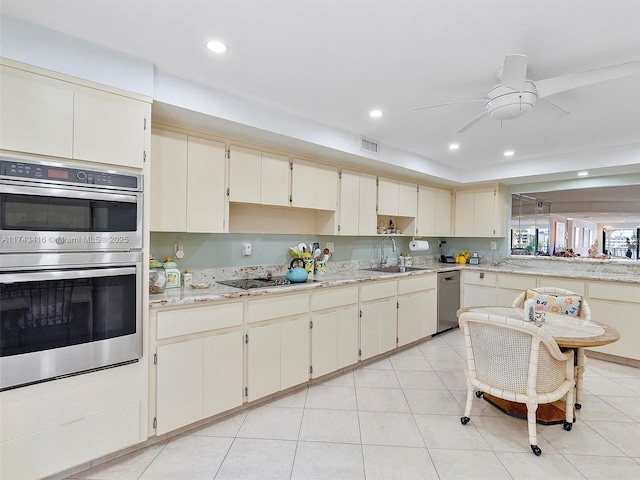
(173, 275)
(157, 277)
(187, 277)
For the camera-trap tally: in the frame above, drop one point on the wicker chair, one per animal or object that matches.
(516, 361)
(584, 314)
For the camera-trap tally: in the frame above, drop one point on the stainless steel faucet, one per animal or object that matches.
(383, 259)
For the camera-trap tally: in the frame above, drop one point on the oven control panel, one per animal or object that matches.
(54, 173)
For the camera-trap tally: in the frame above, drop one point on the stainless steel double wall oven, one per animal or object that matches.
(70, 270)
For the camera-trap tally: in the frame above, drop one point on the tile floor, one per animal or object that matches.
(399, 418)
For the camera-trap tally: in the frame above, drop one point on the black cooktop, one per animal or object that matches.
(248, 283)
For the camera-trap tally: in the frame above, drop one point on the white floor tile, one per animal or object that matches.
(382, 364)
(381, 400)
(344, 380)
(420, 380)
(294, 400)
(510, 434)
(446, 432)
(625, 436)
(581, 440)
(410, 363)
(276, 423)
(324, 461)
(249, 459)
(607, 468)
(225, 427)
(339, 426)
(332, 397)
(129, 467)
(385, 428)
(460, 465)
(526, 466)
(376, 378)
(381, 463)
(433, 402)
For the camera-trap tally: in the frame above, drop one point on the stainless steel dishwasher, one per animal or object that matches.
(448, 299)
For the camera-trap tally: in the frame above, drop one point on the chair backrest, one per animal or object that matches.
(584, 312)
(511, 354)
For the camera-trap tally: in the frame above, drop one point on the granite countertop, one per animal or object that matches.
(353, 273)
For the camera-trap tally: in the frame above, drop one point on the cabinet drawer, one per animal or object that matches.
(516, 282)
(575, 286)
(417, 284)
(480, 278)
(186, 321)
(615, 291)
(378, 289)
(335, 297)
(277, 307)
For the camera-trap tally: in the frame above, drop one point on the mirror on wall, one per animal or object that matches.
(530, 226)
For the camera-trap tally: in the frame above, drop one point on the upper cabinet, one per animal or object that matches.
(434, 212)
(357, 213)
(258, 177)
(46, 115)
(396, 198)
(187, 184)
(313, 185)
(481, 212)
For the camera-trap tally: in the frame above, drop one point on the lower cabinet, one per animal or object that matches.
(417, 308)
(278, 357)
(478, 289)
(378, 318)
(511, 286)
(197, 379)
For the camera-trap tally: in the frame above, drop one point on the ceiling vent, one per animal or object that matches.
(368, 145)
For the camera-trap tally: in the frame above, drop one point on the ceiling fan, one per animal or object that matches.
(516, 95)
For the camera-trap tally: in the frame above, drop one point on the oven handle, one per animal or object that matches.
(6, 278)
(67, 193)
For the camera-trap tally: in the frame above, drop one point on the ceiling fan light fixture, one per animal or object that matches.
(509, 153)
(375, 113)
(216, 46)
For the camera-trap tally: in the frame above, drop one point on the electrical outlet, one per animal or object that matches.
(493, 245)
(330, 246)
(246, 248)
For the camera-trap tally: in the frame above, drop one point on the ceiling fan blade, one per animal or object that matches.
(555, 85)
(485, 99)
(514, 72)
(561, 111)
(472, 122)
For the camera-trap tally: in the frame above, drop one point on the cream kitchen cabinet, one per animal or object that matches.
(357, 203)
(188, 184)
(258, 177)
(480, 212)
(313, 185)
(44, 114)
(396, 198)
(571, 284)
(417, 308)
(378, 318)
(278, 352)
(617, 304)
(334, 331)
(511, 285)
(199, 355)
(434, 212)
(478, 288)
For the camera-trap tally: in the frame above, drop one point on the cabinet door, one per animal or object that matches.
(464, 221)
(223, 369)
(387, 197)
(378, 328)
(294, 356)
(168, 182)
(484, 221)
(426, 211)
(36, 114)
(326, 188)
(274, 183)
(388, 325)
(324, 343)
(407, 199)
(428, 318)
(303, 184)
(410, 310)
(245, 175)
(443, 213)
(263, 361)
(368, 219)
(349, 202)
(179, 399)
(206, 210)
(109, 128)
(348, 336)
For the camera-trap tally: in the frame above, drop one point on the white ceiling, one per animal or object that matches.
(332, 61)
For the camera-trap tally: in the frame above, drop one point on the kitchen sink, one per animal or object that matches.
(392, 269)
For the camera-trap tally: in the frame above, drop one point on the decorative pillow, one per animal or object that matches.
(568, 305)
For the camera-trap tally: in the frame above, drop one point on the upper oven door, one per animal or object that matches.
(68, 218)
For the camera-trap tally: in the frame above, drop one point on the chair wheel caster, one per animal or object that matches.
(479, 394)
(578, 406)
(568, 426)
(536, 450)
(464, 420)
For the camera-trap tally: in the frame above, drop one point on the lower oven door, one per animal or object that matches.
(62, 321)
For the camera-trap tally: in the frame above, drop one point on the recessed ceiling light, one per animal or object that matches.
(583, 174)
(217, 47)
(509, 153)
(454, 146)
(375, 113)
